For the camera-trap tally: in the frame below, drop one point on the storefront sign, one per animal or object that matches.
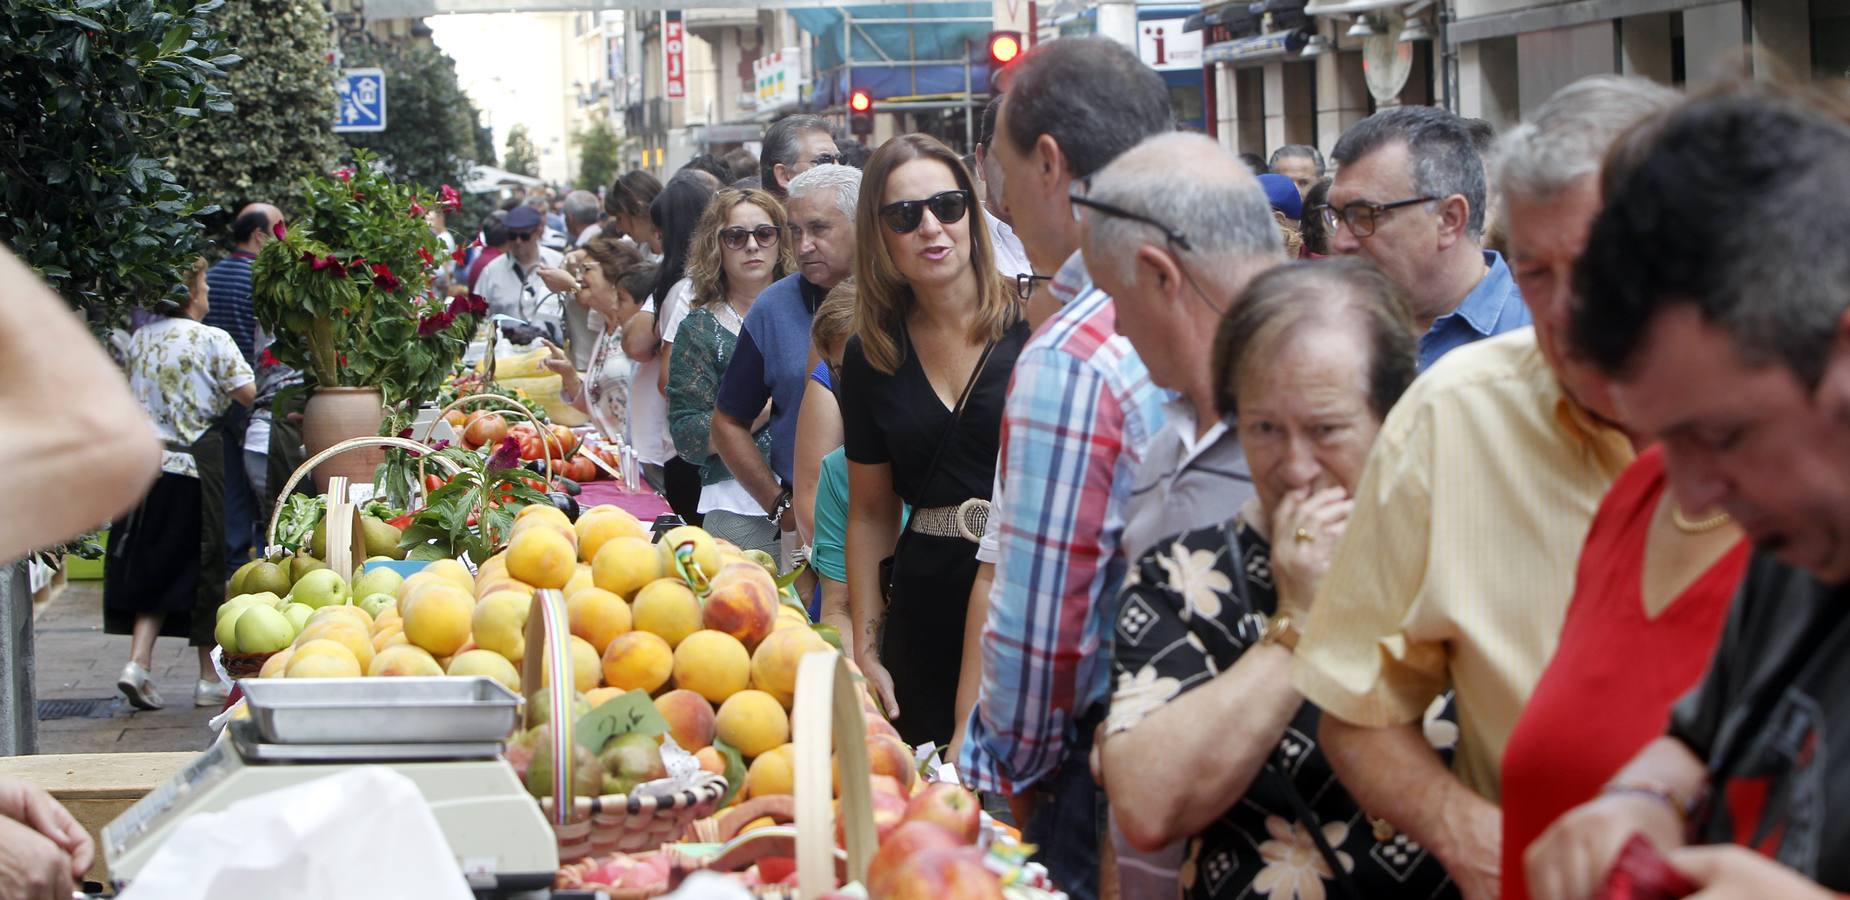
(779, 78)
(1166, 47)
(674, 56)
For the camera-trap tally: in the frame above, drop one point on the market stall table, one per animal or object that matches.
(644, 504)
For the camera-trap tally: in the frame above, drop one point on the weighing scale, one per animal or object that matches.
(495, 829)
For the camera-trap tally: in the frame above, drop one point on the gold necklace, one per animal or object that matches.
(1686, 526)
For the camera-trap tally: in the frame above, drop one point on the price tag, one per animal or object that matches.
(633, 711)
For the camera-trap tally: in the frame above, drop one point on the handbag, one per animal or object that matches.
(931, 471)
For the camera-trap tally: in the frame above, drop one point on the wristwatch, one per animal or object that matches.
(1281, 631)
(778, 507)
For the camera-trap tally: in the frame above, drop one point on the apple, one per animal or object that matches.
(940, 873)
(241, 601)
(378, 580)
(889, 814)
(906, 841)
(261, 629)
(297, 614)
(321, 587)
(226, 631)
(950, 806)
(376, 603)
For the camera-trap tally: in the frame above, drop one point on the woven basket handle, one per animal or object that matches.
(548, 629)
(826, 702)
(302, 471)
(552, 444)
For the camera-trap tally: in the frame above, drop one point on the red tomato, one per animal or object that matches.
(580, 469)
(484, 428)
(563, 437)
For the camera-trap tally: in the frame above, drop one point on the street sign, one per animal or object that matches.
(674, 57)
(1166, 47)
(362, 101)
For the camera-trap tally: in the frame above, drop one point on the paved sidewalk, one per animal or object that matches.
(75, 660)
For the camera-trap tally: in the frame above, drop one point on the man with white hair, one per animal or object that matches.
(772, 358)
(1174, 255)
(1456, 570)
(582, 325)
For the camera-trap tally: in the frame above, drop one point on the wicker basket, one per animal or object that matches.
(552, 444)
(308, 466)
(612, 823)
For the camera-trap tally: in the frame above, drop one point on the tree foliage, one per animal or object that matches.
(599, 155)
(429, 136)
(281, 128)
(521, 158)
(89, 89)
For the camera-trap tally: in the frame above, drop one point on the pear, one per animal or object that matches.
(629, 760)
(301, 564)
(318, 541)
(267, 577)
(235, 586)
(381, 538)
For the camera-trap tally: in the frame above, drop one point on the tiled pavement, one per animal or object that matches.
(75, 660)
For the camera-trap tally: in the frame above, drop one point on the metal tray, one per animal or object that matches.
(250, 745)
(381, 710)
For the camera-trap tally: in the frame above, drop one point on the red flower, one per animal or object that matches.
(470, 305)
(344, 174)
(405, 434)
(451, 200)
(325, 264)
(358, 262)
(461, 254)
(279, 229)
(424, 255)
(478, 305)
(507, 455)
(268, 358)
(417, 209)
(383, 278)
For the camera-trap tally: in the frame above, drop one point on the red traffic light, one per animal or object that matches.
(860, 102)
(1004, 46)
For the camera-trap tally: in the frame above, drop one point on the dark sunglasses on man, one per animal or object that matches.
(946, 206)
(829, 159)
(520, 235)
(735, 237)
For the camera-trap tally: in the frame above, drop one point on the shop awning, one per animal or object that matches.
(1255, 50)
(1345, 8)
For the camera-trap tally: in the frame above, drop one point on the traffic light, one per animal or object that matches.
(1004, 48)
(860, 113)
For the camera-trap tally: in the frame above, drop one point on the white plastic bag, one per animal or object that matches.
(364, 833)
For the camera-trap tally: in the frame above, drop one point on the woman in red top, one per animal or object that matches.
(1652, 593)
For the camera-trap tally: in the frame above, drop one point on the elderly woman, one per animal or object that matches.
(612, 274)
(738, 251)
(1207, 740)
(165, 574)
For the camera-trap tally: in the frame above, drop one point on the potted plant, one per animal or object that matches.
(346, 290)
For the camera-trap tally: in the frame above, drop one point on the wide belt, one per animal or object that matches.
(966, 520)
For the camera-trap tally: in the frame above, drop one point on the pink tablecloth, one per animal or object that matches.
(644, 504)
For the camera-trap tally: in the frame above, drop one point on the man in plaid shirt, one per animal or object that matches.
(1080, 410)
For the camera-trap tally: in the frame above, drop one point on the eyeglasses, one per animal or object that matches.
(947, 207)
(828, 159)
(520, 236)
(1024, 284)
(1173, 236)
(734, 238)
(1361, 216)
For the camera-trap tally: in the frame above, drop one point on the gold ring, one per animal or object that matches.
(1304, 537)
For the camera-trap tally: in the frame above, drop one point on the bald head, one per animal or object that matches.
(255, 224)
(1219, 211)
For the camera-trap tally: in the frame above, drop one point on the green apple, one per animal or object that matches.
(374, 604)
(297, 614)
(227, 631)
(380, 580)
(239, 602)
(319, 588)
(261, 629)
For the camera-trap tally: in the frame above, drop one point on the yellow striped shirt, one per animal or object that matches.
(1459, 559)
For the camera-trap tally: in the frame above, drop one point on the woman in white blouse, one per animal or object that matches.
(165, 573)
(612, 274)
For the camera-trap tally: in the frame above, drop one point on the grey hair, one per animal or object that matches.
(1219, 209)
(1294, 150)
(845, 181)
(582, 207)
(1443, 149)
(1569, 135)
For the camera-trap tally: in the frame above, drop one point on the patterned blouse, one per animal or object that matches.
(1190, 608)
(702, 349)
(183, 373)
(607, 385)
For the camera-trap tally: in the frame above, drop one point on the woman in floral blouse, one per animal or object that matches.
(611, 274)
(738, 251)
(1207, 740)
(165, 573)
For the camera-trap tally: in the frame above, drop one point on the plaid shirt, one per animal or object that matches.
(1081, 409)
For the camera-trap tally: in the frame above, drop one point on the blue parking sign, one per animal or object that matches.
(362, 101)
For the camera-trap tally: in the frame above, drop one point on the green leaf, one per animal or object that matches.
(176, 38)
(735, 769)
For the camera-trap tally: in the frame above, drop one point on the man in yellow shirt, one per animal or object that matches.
(1459, 559)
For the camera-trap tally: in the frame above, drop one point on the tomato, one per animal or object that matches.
(531, 447)
(484, 428)
(580, 469)
(456, 419)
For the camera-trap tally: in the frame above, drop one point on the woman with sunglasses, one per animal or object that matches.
(737, 253)
(937, 329)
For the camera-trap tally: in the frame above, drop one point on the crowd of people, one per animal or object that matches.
(1466, 521)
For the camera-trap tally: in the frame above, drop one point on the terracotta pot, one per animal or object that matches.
(334, 415)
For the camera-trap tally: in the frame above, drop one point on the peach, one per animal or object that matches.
(596, 528)
(889, 756)
(485, 662)
(774, 663)
(403, 660)
(585, 665)
(438, 619)
(711, 760)
(742, 602)
(666, 608)
(597, 697)
(542, 557)
(877, 724)
(638, 660)
(624, 565)
(580, 580)
(390, 637)
(690, 718)
(322, 659)
(712, 664)
(356, 639)
(278, 661)
(598, 616)
(451, 570)
(706, 550)
(499, 623)
(752, 721)
(773, 772)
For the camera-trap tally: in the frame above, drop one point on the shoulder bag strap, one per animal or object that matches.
(1300, 808)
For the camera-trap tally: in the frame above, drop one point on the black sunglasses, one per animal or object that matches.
(520, 236)
(734, 238)
(946, 206)
(828, 159)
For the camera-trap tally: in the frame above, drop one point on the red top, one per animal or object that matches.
(1609, 688)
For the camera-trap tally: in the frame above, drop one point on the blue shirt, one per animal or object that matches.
(772, 361)
(228, 302)
(1493, 307)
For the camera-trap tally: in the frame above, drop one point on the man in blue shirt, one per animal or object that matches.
(228, 283)
(1409, 196)
(772, 360)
